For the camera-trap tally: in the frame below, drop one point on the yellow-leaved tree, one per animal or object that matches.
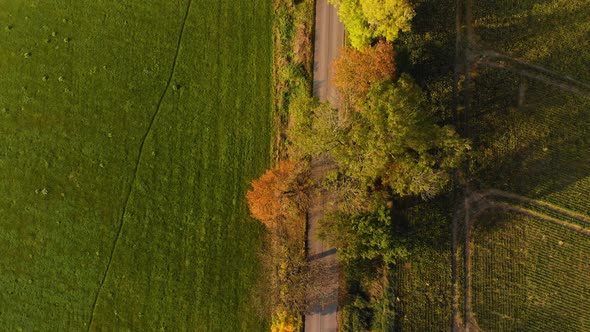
(367, 20)
(389, 17)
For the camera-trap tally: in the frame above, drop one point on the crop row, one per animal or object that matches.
(525, 269)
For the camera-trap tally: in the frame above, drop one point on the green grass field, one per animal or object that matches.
(424, 291)
(130, 131)
(530, 275)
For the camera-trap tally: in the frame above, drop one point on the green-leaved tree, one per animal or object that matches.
(394, 142)
(363, 237)
(314, 127)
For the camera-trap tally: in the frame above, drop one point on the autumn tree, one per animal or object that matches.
(356, 70)
(279, 198)
(279, 194)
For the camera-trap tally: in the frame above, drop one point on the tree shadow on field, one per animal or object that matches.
(421, 282)
(535, 149)
(520, 28)
(425, 223)
(427, 52)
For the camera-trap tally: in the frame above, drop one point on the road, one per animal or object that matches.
(329, 38)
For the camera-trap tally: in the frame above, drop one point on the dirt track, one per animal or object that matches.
(329, 38)
(473, 207)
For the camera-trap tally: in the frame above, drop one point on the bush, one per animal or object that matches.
(313, 127)
(363, 237)
(357, 316)
(282, 321)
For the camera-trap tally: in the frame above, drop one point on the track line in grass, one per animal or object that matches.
(455, 293)
(508, 207)
(137, 162)
(531, 213)
(523, 199)
(572, 214)
(538, 77)
(490, 54)
(480, 201)
(490, 204)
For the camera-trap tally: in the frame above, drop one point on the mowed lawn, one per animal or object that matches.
(136, 126)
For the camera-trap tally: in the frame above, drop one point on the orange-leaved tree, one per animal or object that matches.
(279, 194)
(355, 70)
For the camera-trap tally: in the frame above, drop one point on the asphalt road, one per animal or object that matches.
(329, 38)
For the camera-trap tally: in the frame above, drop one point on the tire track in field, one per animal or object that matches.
(455, 293)
(536, 214)
(523, 199)
(497, 55)
(495, 59)
(473, 207)
(138, 161)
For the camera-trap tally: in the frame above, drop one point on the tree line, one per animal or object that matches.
(386, 145)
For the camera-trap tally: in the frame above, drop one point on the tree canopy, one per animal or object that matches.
(356, 70)
(279, 194)
(396, 142)
(388, 17)
(351, 15)
(392, 141)
(313, 127)
(366, 236)
(366, 20)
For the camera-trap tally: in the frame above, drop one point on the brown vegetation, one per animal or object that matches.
(279, 194)
(278, 199)
(356, 70)
(302, 46)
